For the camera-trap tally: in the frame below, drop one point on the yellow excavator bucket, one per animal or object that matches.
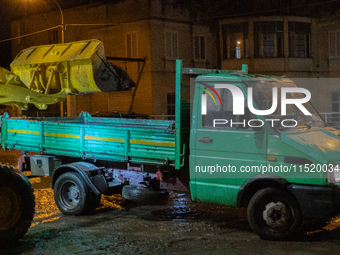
(55, 70)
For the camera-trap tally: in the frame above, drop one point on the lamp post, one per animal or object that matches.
(62, 23)
(62, 41)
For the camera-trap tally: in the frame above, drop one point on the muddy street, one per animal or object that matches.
(178, 227)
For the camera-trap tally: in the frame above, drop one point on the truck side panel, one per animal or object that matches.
(122, 140)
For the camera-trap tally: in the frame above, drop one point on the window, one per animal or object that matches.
(131, 45)
(221, 116)
(54, 36)
(171, 44)
(334, 44)
(335, 106)
(299, 39)
(235, 40)
(21, 31)
(335, 101)
(171, 105)
(268, 39)
(199, 47)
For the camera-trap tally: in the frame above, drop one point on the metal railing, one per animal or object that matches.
(162, 117)
(331, 118)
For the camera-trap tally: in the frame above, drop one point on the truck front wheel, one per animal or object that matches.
(16, 204)
(73, 196)
(274, 214)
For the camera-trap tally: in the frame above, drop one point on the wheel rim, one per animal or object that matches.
(70, 195)
(10, 209)
(276, 215)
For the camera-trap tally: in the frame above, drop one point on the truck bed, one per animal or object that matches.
(114, 139)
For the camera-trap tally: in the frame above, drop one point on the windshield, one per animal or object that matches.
(263, 100)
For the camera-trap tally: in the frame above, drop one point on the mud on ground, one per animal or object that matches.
(179, 227)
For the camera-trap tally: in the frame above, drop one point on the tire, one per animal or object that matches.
(144, 195)
(73, 196)
(274, 214)
(16, 204)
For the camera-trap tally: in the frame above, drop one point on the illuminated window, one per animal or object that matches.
(235, 40)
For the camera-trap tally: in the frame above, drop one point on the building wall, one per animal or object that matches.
(163, 67)
(318, 67)
(278, 65)
(148, 21)
(114, 39)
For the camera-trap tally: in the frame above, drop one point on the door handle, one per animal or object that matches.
(205, 139)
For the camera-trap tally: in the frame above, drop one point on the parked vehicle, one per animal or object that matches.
(282, 165)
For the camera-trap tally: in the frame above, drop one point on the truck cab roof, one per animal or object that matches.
(237, 77)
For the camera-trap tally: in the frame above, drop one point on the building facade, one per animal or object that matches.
(300, 48)
(150, 30)
(291, 46)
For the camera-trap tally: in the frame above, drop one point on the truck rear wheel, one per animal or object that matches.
(73, 196)
(16, 204)
(274, 214)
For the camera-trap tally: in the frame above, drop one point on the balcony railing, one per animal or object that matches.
(331, 118)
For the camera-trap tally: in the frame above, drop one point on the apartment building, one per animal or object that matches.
(301, 48)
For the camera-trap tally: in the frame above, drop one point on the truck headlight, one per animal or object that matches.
(333, 173)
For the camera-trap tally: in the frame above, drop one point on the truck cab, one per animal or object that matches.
(257, 142)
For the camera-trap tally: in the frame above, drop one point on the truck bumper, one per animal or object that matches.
(317, 201)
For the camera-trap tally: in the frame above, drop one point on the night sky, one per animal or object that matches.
(13, 9)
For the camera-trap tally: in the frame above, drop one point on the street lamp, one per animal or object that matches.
(62, 23)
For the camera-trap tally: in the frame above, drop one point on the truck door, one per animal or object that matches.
(226, 151)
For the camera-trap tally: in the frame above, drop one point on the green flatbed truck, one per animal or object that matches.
(281, 165)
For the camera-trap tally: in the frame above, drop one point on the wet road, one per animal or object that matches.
(179, 227)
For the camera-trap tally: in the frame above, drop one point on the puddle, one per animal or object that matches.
(180, 207)
(177, 213)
